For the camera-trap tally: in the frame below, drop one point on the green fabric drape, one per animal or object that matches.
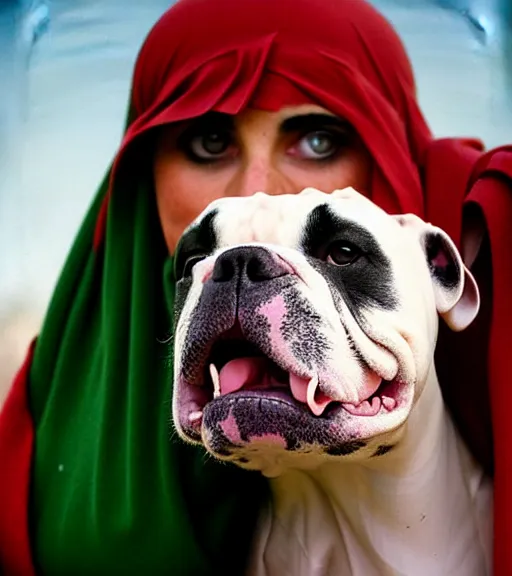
(114, 491)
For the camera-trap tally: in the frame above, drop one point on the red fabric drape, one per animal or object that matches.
(16, 439)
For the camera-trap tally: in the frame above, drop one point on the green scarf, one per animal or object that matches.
(114, 490)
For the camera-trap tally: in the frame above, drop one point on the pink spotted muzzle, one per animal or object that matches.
(254, 367)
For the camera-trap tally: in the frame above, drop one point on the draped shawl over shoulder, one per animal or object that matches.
(92, 480)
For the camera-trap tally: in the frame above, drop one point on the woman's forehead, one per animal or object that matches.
(298, 110)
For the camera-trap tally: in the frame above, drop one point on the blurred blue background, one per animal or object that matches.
(65, 68)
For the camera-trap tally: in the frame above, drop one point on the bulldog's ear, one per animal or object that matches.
(455, 289)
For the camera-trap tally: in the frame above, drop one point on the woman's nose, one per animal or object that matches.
(260, 175)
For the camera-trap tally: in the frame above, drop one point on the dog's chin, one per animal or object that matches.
(270, 431)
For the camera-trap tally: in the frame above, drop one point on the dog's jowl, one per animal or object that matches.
(305, 333)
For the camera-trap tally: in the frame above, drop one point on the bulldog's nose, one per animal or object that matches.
(249, 263)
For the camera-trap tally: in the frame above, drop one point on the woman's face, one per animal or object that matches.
(218, 155)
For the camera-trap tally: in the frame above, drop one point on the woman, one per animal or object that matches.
(229, 97)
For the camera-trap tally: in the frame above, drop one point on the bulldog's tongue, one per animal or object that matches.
(254, 373)
(250, 373)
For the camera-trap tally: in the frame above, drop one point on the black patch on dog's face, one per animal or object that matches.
(364, 284)
(383, 449)
(199, 241)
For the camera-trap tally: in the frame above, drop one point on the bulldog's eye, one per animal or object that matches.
(190, 262)
(343, 253)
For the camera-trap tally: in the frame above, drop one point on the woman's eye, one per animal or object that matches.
(210, 145)
(319, 145)
(343, 253)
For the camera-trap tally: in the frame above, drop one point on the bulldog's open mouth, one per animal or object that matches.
(235, 367)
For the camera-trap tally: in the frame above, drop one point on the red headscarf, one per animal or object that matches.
(267, 54)
(227, 55)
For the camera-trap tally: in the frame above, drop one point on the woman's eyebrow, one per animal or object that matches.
(312, 122)
(196, 126)
(213, 119)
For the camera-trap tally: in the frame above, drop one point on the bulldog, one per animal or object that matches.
(304, 343)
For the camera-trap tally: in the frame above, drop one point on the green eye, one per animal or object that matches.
(321, 144)
(210, 145)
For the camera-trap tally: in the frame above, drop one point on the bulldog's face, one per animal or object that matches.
(306, 326)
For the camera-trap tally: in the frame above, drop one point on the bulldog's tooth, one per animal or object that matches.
(312, 386)
(195, 416)
(376, 404)
(214, 373)
(388, 403)
(365, 408)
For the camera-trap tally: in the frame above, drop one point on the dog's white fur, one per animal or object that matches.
(425, 509)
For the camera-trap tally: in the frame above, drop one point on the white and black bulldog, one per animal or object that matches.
(306, 328)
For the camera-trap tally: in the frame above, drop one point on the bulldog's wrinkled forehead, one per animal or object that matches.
(290, 220)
